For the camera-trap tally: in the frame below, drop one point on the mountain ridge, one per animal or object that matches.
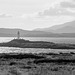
(68, 27)
(63, 30)
(7, 32)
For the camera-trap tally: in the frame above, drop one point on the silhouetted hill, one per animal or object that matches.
(6, 32)
(68, 27)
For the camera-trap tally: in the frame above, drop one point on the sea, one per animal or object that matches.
(37, 50)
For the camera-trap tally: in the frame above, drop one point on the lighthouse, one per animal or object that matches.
(18, 35)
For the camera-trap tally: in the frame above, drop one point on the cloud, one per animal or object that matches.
(5, 16)
(57, 9)
(68, 4)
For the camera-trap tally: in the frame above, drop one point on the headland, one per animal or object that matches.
(21, 43)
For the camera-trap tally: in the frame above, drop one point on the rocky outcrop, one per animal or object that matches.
(21, 43)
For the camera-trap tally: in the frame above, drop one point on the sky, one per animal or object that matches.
(32, 14)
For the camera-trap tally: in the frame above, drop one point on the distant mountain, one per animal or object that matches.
(6, 32)
(44, 29)
(68, 27)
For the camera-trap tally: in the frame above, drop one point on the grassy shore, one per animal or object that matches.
(37, 64)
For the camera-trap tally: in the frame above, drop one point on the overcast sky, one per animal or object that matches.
(31, 14)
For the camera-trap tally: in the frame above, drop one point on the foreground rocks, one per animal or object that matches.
(12, 64)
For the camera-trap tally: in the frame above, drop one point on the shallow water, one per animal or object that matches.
(32, 50)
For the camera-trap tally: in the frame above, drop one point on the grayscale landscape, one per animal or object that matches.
(37, 37)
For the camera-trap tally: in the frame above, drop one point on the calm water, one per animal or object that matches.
(34, 50)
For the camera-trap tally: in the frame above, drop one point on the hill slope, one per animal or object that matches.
(25, 33)
(68, 27)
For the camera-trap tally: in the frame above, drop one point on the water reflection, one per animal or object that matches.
(32, 50)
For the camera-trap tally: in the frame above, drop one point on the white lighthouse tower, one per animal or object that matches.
(18, 35)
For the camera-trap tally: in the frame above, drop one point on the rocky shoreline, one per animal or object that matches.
(37, 64)
(21, 43)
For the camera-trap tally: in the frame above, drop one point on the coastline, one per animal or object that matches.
(21, 43)
(37, 64)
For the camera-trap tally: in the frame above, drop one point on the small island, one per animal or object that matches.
(21, 43)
